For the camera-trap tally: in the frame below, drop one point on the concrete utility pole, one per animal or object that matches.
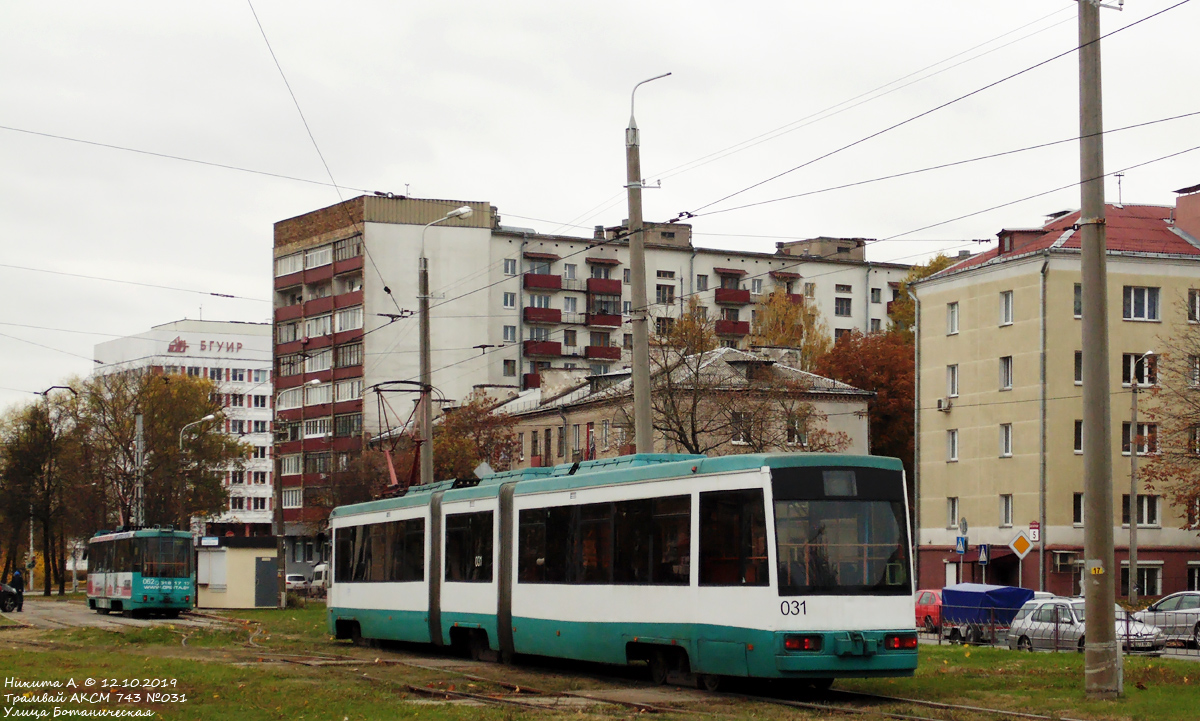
(1102, 659)
(1133, 494)
(643, 423)
(426, 401)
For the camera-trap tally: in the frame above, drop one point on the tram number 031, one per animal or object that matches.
(793, 608)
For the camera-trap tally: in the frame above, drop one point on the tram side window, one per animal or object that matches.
(121, 553)
(343, 542)
(408, 550)
(469, 547)
(645, 541)
(733, 538)
(380, 552)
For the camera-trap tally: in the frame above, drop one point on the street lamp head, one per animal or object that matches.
(313, 382)
(209, 417)
(1148, 353)
(463, 212)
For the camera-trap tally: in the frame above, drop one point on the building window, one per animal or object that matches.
(756, 286)
(1078, 300)
(627, 308)
(952, 512)
(348, 390)
(627, 276)
(952, 381)
(539, 301)
(664, 294)
(1006, 308)
(1194, 305)
(261, 376)
(810, 290)
(539, 333)
(289, 465)
(319, 361)
(1147, 510)
(569, 271)
(510, 300)
(1140, 303)
(730, 314)
(876, 295)
(1193, 578)
(510, 334)
(1147, 438)
(236, 400)
(290, 398)
(237, 503)
(952, 445)
(316, 463)
(1149, 580)
(318, 395)
(539, 267)
(318, 257)
(347, 425)
(193, 371)
(510, 368)
(663, 326)
(1006, 440)
(1079, 436)
(876, 325)
(237, 478)
(237, 426)
(627, 342)
(510, 266)
(570, 304)
(316, 427)
(348, 248)
(665, 274)
(1078, 367)
(291, 365)
(237, 374)
(216, 374)
(289, 264)
(951, 318)
(1142, 368)
(1006, 373)
(797, 431)
(1077, 510)
(740, 424)
(260, 478)
(348, 319)
(601, 272)
(841, 306)
(1006, 510)
(259, 452)
(349, 355)
(260, 401)
(293, 497)
(260, 503)
(701, 283)
(841, 288)
(261, 427)
(1193, 370)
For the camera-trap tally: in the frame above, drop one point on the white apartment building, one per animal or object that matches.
(237, 358)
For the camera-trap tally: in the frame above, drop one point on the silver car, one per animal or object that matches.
(1178, 615)
(1058, 624)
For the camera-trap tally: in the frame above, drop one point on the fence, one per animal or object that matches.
(1169, 626)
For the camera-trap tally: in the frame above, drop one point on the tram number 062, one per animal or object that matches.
(793, 608)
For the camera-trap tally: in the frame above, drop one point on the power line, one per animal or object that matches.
(133, 282)
(687, 214)
(56, 350)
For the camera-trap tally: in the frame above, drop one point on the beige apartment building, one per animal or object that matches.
(999, 406)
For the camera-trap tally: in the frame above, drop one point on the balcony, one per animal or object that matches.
(576, 318)
(531, 380)
(289, 312)
(603, 352)
(317, 306)
(573, 351)
(576, 284)
(733, 327)
(606, 321)
(732, 296)
(542, 315)
(796, 298)
(538, 281)
(543, 348)
(604, 286)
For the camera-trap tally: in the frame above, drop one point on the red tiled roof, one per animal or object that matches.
(1130, 229)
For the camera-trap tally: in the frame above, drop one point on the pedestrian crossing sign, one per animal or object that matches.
(960, 544)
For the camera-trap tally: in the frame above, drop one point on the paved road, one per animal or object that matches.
(50, 614)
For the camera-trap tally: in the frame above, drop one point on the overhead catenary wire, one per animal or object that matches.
(918, 116)
(133, 282)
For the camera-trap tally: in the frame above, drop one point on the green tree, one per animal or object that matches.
(903, 310)
(781, 321)
(470, 434)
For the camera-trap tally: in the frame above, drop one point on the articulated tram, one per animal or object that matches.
(792, 566)
(139, 572)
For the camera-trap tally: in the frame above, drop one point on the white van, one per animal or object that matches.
(320, 579)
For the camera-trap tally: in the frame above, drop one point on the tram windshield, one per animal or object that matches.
(165, 557)
(841, 531)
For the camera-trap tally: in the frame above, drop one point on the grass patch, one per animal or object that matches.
(1045, 683)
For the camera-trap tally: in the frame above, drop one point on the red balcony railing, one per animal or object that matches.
(542, 315)
(537, 281)
(531, 380)
(608, 321)
(543, 348)
(890, 305)
(732, 295)
(604, 286)
(733, 327)
(796, 298)
(603, 352)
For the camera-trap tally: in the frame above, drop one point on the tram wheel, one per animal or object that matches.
(710, 682)
(658, 668)
(103, 611)
(172, 613)
(821, 684)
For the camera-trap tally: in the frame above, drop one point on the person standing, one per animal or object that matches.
(18, 584)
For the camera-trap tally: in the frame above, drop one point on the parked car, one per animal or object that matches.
(8, 598)
(980, 613)
(929, 609)
(1178, 615)
(320, 579)
(296, 582)
(1058, 623)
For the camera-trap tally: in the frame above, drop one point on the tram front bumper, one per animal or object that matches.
(845, 652)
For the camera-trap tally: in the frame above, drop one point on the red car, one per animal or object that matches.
(929, 609)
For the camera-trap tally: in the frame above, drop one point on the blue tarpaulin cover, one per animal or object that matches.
(981, 603)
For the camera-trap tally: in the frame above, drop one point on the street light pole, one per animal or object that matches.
(1133, 497)
(1102, 655)
(205, 419)
(643, 428)
(426, 448)
(32, 563)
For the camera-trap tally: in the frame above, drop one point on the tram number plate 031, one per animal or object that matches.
(793, 608)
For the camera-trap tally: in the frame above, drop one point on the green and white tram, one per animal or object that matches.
(141, 572)
(792, 566)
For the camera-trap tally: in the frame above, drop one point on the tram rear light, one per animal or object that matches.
(900, 641)
(803, 643)
(145, 597)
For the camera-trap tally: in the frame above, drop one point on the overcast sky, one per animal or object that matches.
(523, 104)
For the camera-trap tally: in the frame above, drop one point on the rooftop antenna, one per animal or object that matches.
(1120, 202)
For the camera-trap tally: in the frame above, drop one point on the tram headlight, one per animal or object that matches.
(803, 643)
(900, 641)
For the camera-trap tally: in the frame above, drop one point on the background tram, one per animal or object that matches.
(141, 572)
(792, 566)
